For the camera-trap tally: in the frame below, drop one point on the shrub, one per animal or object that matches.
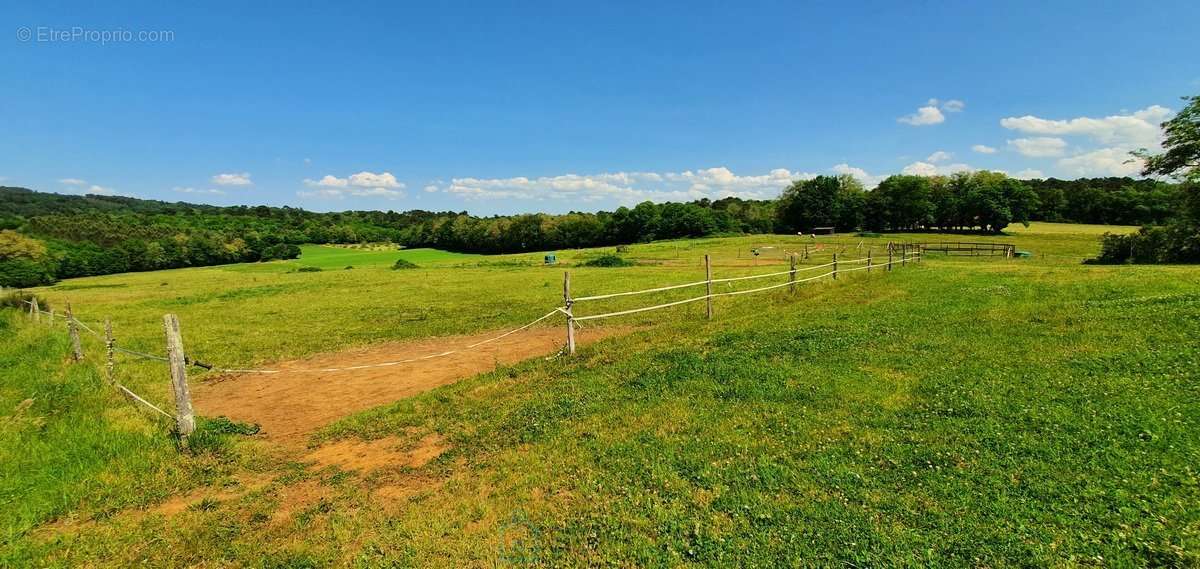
(403, 264)
(17, 299)
(308, 270)
(1177, 243)
(608, 260)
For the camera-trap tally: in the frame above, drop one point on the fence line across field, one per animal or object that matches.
(732, 293)
(178, 362)
(69, 318)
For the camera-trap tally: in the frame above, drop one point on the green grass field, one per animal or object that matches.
(960, 412)
(329, 257)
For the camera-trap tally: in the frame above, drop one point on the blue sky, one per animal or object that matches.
(552, 106)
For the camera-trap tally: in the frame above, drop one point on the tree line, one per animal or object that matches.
(45, 236)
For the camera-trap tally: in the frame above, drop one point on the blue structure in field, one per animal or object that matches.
(550, 259)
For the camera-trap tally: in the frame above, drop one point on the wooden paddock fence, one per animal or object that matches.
(178, 362)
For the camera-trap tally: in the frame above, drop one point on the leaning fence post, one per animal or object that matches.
(707, 288)
(835, 266)
(110, 365)
(185, 421)
(792, 274)
(570, 313)
(35, 311)
(73, 330)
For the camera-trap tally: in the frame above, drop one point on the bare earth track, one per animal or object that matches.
(289, 406)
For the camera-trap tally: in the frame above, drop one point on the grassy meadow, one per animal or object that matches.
(964, 411)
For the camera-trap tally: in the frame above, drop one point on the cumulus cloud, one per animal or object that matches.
(939, 156)
(1117, 134)
(232, 179)
(931, 113)
(1028, 174)
(868, 180)
(983, 149)
(626, 188)
(73, 182)
(362, 184)
(1137, 129)
(927, 115)
(928, 169)
(1039, 146)
(1102, 162)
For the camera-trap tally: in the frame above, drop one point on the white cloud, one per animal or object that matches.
(359, 180)
(983, 149)
(924, 116)
(626, 188)
(328, 182)
(362, 184)
(1102, 162)
(373, 180)
(213, 191)
(1139, 129)
(233, 179)
(939, 156)
(953, 106)
(868, 180)
(1039, 146)
(927, 169)
(1118, 134)
(73, 182)
(98, 190)
(1028, 174)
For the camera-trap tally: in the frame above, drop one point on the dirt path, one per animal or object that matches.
(289, 406)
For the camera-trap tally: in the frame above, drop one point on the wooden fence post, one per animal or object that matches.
(904, 254)
(73, 330)
(835, 266)
(51, 319)
(110, 364)
(185, 421)
(868, 261)
(570, 313)
(890, 261)
(806, 251)
(35, 311)
(792, 275)
(707, 288)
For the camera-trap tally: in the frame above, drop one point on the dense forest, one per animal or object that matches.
(45, 236)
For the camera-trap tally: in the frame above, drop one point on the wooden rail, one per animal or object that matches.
(973, 249)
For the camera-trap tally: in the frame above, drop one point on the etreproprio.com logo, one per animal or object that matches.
(81, 34)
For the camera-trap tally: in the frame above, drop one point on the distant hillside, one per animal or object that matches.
(47, 236)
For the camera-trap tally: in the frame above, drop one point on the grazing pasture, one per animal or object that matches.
(961, 411)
